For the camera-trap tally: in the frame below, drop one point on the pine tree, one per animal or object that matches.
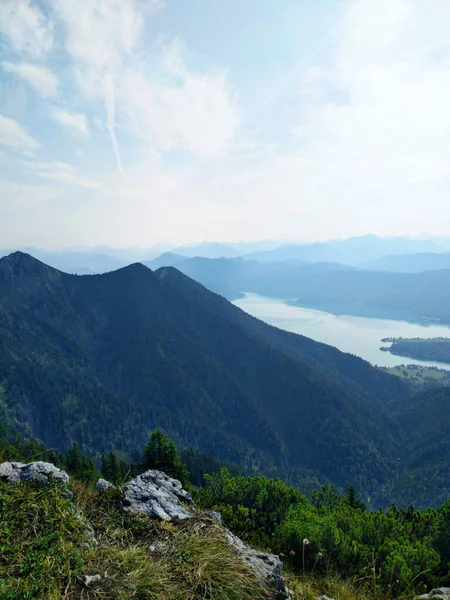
(161, 453)
(352, 499)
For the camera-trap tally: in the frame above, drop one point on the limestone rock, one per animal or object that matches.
(10, 471)
(442, 593)
(216, 516)
(42, 472)
(157, 495)
(268, 566)
(102, 485)
(160, 496)
(156, 546)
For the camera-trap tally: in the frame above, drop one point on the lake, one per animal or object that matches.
(357, 335)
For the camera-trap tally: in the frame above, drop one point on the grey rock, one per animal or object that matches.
(157, 546)
(10, 471)
(324, 598)
(268, 566)
(216, 516)
(442, 593)
(103, 485)
(88, 579)
(160, 496)
(41, 472)
(157, 495)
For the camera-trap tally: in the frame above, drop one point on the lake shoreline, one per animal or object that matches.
(358, 335)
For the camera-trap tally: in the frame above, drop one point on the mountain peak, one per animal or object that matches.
(23, 266)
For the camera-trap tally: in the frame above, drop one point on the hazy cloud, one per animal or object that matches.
(41, 79)
(19, 196)
(25, 28)
(76, 123)
(14, 136)
(63, 172)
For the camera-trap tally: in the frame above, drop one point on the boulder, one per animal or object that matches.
(11, 471)
(157, 495)
(42, 472)
(442, 593)
(102, 485)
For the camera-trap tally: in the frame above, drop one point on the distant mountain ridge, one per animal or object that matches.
(103, 359)
(411, 263)
(352, 251)
(331, 287)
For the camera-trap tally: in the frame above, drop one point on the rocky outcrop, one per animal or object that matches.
(157, 495)
(160, 496)
(268, 566)
(436, 594)
(41, 472)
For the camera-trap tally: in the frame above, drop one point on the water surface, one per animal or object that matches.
(358, 335)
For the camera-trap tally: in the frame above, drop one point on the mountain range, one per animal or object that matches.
(357, 251)
(104, 359)
(332, 287)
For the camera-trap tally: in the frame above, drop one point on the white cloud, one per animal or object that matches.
(179, 108)
(77, 123)
(19, 196)
(153, 94)
(14, 136)
(24, 28)
(115, 25)
(371, 145)
(63, 172)
(38, 77)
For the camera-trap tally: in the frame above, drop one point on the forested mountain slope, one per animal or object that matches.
(104, 359)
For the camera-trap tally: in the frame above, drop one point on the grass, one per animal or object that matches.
(333, 586)
(44, 551)
(196, 562)
(44, 554)
(43, 542)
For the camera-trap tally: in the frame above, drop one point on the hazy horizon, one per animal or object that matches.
(162, 247)
(131, 122)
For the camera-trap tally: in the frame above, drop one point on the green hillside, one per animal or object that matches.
(104, 359)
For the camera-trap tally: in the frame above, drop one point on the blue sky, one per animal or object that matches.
(132, 122)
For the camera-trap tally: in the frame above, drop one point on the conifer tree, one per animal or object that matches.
(161, 453)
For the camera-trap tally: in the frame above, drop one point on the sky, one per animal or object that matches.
(135, 122)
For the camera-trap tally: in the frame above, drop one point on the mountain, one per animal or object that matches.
(77, 262)
(353, 251)
(208, 250)
(231, 277)
(332, 287)
(411, 263)
(223, 250)
(405, 296)
(422, 475)
(167, 259)
(103, 359)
